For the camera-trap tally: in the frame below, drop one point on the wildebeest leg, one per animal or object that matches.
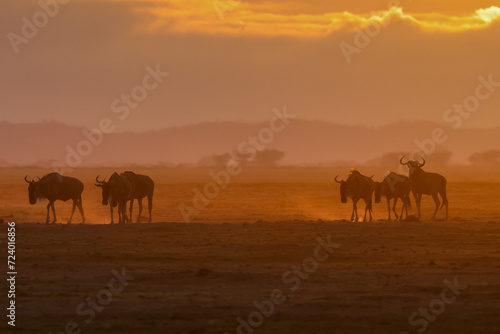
(389, 208)
(127, 219)
(437, 202)
(445, 201)
(111, 212)
(131, 205)
(394, 207)
(370, 208)
(352, 213)
(72, 211)
(80, 207)
(419, 205)
(406, 204)
(403, 209)
(140, 210)
(418, 197)
(354, 210)
(150, 206)
(367, 209)
(125, 216)
(54, 211)
(123, 211)
(48, 213)
(120, 213)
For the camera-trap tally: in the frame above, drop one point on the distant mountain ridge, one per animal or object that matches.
(303, 142)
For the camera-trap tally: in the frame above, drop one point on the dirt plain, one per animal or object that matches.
(245, 246)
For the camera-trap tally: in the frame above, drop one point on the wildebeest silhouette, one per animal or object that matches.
(142, 186)
(394, 186)
(357, 187)
(426, 183)
(54, 187)
(116, 192)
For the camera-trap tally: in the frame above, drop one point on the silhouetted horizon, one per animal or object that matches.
(304, 142)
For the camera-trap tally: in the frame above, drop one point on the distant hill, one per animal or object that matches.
(4, 163)
(303, 143)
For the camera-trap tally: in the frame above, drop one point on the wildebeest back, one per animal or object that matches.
(56, 187)
(142, 185)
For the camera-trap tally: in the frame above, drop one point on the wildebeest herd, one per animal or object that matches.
(125, 187)
(394, 186)
(116, 192)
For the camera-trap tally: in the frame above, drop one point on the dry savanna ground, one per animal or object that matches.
(251, 261)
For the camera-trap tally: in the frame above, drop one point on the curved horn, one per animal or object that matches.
(401, 161)
(423, 163)
(38, 178)
(26, 179)
(337, 180)
(101, 182)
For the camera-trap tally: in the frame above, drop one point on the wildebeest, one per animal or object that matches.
(357, 187)
(116, 192)
(142, 186)
(394, 186)
(426, 183)
(54, 187)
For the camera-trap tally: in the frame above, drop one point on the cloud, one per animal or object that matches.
(489, 14)
(96, 50)
(271, 19)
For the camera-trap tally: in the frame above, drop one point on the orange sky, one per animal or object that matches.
(307, 19)
(239, 63)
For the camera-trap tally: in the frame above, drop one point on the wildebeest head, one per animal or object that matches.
(343, 190)
(412, 164)
(32, 190)
(106, 187)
